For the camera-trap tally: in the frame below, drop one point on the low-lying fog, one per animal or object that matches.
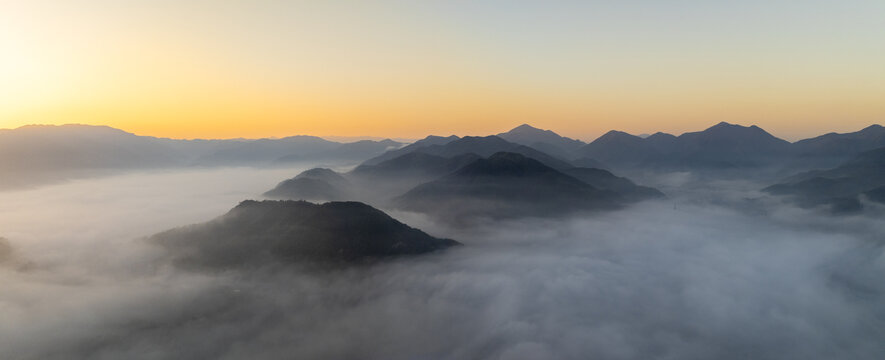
(715, 271)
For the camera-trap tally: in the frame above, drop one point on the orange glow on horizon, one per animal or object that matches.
(272, 69)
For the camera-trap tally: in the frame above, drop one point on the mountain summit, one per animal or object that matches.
(544, 140)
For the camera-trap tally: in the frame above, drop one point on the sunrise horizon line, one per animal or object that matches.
(407, 139)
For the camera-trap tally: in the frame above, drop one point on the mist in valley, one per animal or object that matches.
(442, 180)
(712, 271)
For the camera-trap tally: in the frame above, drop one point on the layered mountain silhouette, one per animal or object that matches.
(34, 155)
(380, 182)
(479, 145)
(543, 140)
(318, 184)
(425, 142)
(39, 154)
(369, 182)
(839, 188)
(505, 185)
(393, 177)
(415, 165)
(257, 233)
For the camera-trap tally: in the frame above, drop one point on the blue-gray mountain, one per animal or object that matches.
(839, 189)
(510, 185)
(34, 155)
(728, 146)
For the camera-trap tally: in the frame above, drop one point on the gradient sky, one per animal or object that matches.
(410, 68)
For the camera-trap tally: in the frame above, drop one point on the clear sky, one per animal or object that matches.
(256, 68)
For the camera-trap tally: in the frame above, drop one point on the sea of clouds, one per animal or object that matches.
(717, 270)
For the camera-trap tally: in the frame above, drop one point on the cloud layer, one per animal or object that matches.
(710, 273)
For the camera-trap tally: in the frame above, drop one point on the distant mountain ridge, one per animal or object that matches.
(38, 154)
(34, 155)
(721, 146)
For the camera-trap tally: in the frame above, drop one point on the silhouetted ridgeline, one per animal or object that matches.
(721, 146)
(256, 233)
(38, 154)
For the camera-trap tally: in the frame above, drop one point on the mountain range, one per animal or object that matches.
(721, 146)
(502, 185)
(34, 155)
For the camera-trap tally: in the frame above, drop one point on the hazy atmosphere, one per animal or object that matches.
(389, 180)
(714, 273)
